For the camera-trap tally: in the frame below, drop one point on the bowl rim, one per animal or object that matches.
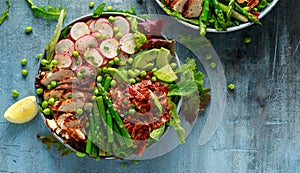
(229, 29)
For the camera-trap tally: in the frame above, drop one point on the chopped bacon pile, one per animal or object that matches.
(147, 116)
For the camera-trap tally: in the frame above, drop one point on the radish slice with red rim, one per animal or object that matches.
(85, 72)
(123, 56)
(76, 62)
(110, 48)
(79, 29)
(105, 61)
(104, 28)
(122, 24)
(64, 60)
(98, 22)
(65, 46)
(84, 42)
(92, 24)
(93, 57)
(128, 44)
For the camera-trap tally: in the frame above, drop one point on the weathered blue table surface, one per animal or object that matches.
(260, 130)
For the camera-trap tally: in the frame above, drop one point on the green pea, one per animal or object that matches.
(119, 35)
(143, 73)
(51, 101)
(54, 62)
(47, 111)
(39, 91)
(103, 36)
(116, 30)
(111, 62)
(109, 8)
(44, 62)
(231, 86)
(111, 19)
(24, 61)
(53, 84)
(105, 69)
(130, 60)
(44, 104)
(79, 111)
(154, 78)
(173, 65)
(28, 29)
(96, 92)
(132, 80)
(213, 65)
(99, 79)
(94, 98)
(113, 83)
(99, 70)
(247, 40)
(135, 162)
(49, 87)
(154, 69)
(75, 54)
(131, 111)
(39, 56)
(98, 35)
(15, 93)
(117, 60)
(24, 72)
(124, 165)
(91, 4)
(79, 74)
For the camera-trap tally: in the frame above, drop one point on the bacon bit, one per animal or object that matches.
(141, 146)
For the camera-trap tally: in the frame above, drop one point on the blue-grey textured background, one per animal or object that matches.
(260, 131)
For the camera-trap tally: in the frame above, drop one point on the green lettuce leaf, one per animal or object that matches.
(47, 12)
(156, 133)
(4, 14)
(50, 47)
(140, 37)
(175, 123)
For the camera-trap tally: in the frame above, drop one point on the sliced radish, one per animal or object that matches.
(122, 24)
(123, 56)
(93, 57)
(105, 61)
(64, 60)
(104, 28)
(90, 21)
(65, 46)
(84, 42)
(91, 24)
(98, 22)
(79, 29)
(85, 72)
(128, 44)
(110, 48)
(76, 62)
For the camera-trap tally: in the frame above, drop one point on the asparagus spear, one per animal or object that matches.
(110, 135)
(230, 9)
(203, 17)
(246, 13)
(235, 14)
(219, 13)
(107, 83)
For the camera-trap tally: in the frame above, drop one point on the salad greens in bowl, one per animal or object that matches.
(112, 86)
(217, 15)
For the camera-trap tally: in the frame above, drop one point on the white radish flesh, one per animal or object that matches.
(65, 46)
(76, 62)
(122, 24)
(79, 29)
(87, 41)
(104, 28)
(98, 22)
(93, 57)
(110, 48)
(123, 56)
(128, 44)
(64, 60)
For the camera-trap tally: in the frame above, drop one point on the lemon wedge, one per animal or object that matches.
(22, 111)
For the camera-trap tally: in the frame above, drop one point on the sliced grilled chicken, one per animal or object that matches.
(56, 76)
(192, 8)
(178, 5)
(55, 93)
(69, 105)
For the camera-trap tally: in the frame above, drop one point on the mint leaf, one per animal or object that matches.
(98, 11)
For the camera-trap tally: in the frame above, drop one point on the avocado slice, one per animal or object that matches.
(162, 58)
(145, 58)
(166, 74)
